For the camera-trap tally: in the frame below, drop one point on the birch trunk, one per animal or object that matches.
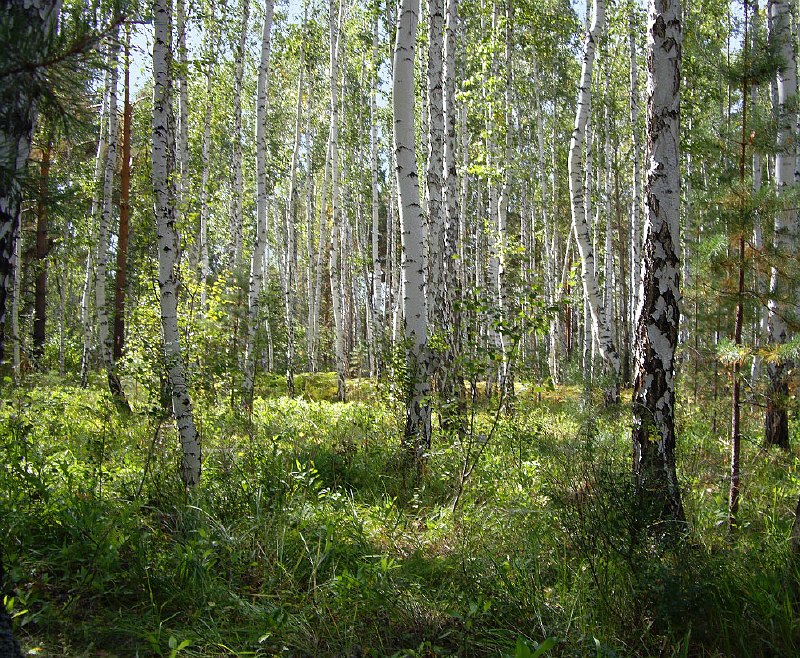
(257, 259)
(336, 280)
(434, 182)
(163, 169)
(418, 414)
(378, 316)
(104, 337)
(636, 192)
(658, 313)
(291, 220)
(782, 296)
(237, 194)
(599, 317)
(183, 108)
(451, 379)
(205, 270)
(96, 205)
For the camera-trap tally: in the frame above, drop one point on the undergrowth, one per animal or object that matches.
(309, 535)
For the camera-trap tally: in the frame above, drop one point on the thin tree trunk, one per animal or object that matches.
(782, 294)
(205, 270)
(336, 280)
(124, 214)
(42, 250)
(291, 221)
(163, 170)
(599, 317)
(16, 338)
(257, 260)
(104, 336)
(237, 194)
(418, 414)
(99, 169)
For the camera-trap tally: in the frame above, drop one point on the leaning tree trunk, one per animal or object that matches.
(599, 315)
(163, 172)
(33, 21)
(658, 313)
(418, 413)
(257, 260)
(781, 290)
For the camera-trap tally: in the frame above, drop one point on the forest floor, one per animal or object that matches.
(311, 536)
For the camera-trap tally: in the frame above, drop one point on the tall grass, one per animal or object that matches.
(310, 537)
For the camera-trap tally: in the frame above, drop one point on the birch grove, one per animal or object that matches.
(426, 205)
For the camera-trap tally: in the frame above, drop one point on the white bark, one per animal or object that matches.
(183, 107)
(257, 260)
(783, 297)
(205, 270)
(335, 275)
(236, 157)
(106, 213)
(99, 169)
(290, 222)
(418, 416)
(636, 192)
(163, 165)
(434, 181)
(599, 318)
(378, 315)
(658, 313)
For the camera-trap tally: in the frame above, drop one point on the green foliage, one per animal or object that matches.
(306, 537)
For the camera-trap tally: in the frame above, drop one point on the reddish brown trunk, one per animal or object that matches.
(124, 218)
(42, 248)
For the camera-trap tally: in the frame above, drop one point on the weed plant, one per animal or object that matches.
(309, 537)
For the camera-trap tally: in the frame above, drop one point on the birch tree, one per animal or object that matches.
(658, 313)
(104, 337)
(237, 193)
(163, 170)
(418, 414)
(598, 314)
(782, 296)
(257, 260)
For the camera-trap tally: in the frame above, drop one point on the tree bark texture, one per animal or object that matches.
(418, 414)
(163, 171)
(658, 313)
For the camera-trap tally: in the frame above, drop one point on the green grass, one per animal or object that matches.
(310, 537)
